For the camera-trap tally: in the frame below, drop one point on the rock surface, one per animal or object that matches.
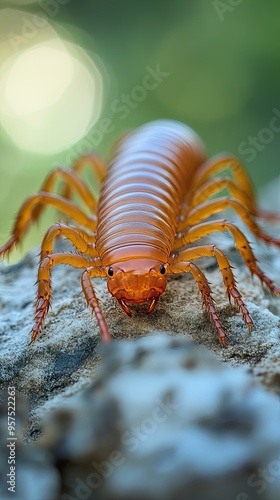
(162, 420)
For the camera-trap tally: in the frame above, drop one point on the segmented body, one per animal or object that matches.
(141, 198)
(156, 199)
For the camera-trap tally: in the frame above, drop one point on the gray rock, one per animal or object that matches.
(168, 421)
(162, 420)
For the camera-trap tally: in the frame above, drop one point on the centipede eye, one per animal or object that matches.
(110, 271)
(162, 270)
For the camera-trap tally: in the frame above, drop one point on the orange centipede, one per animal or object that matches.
(156, 198)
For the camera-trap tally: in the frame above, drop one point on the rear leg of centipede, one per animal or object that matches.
(242, 244)
(24, 217)
(203, 194)
(72, 182)
(222, 162)
(92, 161)
(240, 187)
(205, 210)
(206, 294)
(214, 186)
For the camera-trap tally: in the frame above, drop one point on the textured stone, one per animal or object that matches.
(162, 420)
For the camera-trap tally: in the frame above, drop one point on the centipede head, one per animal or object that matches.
(136, 282)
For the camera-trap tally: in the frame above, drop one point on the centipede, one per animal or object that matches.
(159, 191)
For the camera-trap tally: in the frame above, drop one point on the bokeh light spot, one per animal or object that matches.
(38, 79)
(50, 89)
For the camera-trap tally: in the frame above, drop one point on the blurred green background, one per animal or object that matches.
(221, 75)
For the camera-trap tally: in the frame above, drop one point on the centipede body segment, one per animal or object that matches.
(155, 200)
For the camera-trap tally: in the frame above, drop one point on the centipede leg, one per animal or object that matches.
(221, 162)
(80, 239)
(91, 160)
(228, 278)
(75, 183)
(242, 244)
(92, 272)
(205, 291)
(24, 217)
(241, 180)
(214, 186)
(208, 189)
(43, 299)
(203, 211)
